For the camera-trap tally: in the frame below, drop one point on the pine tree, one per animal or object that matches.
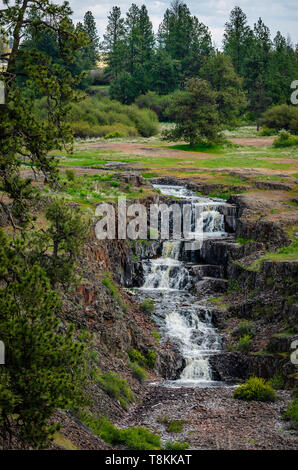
(236, 38)
(164, 73)
(230, 98)
(147, 40)
(184, 38)
(259, 100)
(283, 69)
(196, 115)
(132, 37)
(56, 248)
(90, 29)
(44, 366)
(113, 45)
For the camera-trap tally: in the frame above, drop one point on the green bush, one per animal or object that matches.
(256, 389)
(172, 425)
(291, 413)
(266, 132)
(70, 175)
(98, 116)
(115, 134)
(150, 358)
(244, 328)
(84, 129)
(158, 104)
(156, 335)
(116, 387)
(244, 343)
(137, 356)
(280, 117)
(148, 306)
(135, 438)
(138, 372)
(285, 139)
(169, 445)
(176, 425)
(277, 382)
(139, 438)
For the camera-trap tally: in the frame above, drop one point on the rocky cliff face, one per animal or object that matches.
(116, 324)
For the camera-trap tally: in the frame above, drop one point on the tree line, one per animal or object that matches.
(138, 60)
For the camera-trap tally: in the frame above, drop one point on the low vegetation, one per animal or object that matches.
(148, 306)
(244, 343)
(244, 328)
(100, 117)
(280, 117)
(176, 445)
(138, 372)
(135, 438)
(285, 139)
(116, 387)
(110, 284)
(147, 360)
(291, 414)
(255, 389)
(172, 425)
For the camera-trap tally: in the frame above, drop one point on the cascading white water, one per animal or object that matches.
(166, 272)
(181, 317)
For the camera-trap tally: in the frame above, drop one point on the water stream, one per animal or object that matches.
(182, 317)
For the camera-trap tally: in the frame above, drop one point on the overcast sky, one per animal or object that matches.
(277, 15)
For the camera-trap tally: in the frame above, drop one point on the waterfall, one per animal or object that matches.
(181, 317)
(166, 272)
(171, 249)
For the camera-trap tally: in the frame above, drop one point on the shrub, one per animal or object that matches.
(97, 116)
(136, 356)
(277, 382)
(285, 139)
(169, 445)
(148, 306)
(281, 117)
(156, 335)
(114, 292)
(84, 129)
(115, 134)
(266, 132)
(158, 104)
(116, 387)
(244, 343)
(150, 358)
(70, 175)
(244, 328)
(136, 438)
(138, 372)
(256, 389)
(176, 425)
(291, 413)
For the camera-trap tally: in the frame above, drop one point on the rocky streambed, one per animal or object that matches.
(212, 419)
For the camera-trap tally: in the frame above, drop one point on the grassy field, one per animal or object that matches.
(230, 165)
(244, 157)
